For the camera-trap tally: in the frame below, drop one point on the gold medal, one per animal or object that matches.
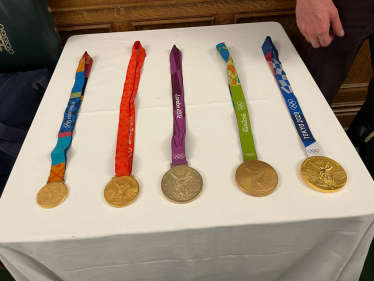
(121, 191)
(256, 178)
(182, 184)
(55, 191)
(323, 174)
(52, 194)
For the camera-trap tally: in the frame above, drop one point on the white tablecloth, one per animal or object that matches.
(296, 233)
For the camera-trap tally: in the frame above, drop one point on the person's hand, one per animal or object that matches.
(314, 19)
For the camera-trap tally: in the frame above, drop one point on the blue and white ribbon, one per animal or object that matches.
(271, 54)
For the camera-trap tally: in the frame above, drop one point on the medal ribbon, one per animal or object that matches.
(126, 125)
(240, 106)
(65, 135)
(271, 54)
(179, 113)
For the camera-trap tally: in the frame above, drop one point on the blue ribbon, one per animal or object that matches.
(292, 103)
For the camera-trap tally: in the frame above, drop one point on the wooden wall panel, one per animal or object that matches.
(66, 32)
(96, 16)
(348, 101)
(182, 6)
(162, 24)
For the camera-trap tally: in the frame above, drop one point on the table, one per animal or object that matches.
(296, 233)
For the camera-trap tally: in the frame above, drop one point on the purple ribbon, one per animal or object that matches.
(179, 117)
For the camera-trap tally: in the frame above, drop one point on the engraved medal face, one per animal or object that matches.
(52, 194)
(323, 174)
(256, 178)
(182, 184)
(121, 191)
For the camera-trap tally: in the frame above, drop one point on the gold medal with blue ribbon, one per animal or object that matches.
(319, 172)
(55, 191)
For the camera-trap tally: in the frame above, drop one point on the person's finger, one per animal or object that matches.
(315, 42)
(326, 38)
(336, 24)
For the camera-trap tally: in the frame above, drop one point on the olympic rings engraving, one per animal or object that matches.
(315, 151)
(179, 156)
(240, 105)
(292, 104)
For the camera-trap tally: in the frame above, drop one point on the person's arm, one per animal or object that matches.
(318, 21)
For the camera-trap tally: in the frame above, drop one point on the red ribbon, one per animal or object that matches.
(126, 126)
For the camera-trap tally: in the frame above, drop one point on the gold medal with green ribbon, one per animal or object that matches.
(253, 176)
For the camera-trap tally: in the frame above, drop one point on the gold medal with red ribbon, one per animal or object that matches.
(123, 189)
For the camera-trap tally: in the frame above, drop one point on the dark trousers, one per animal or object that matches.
(329, 66)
